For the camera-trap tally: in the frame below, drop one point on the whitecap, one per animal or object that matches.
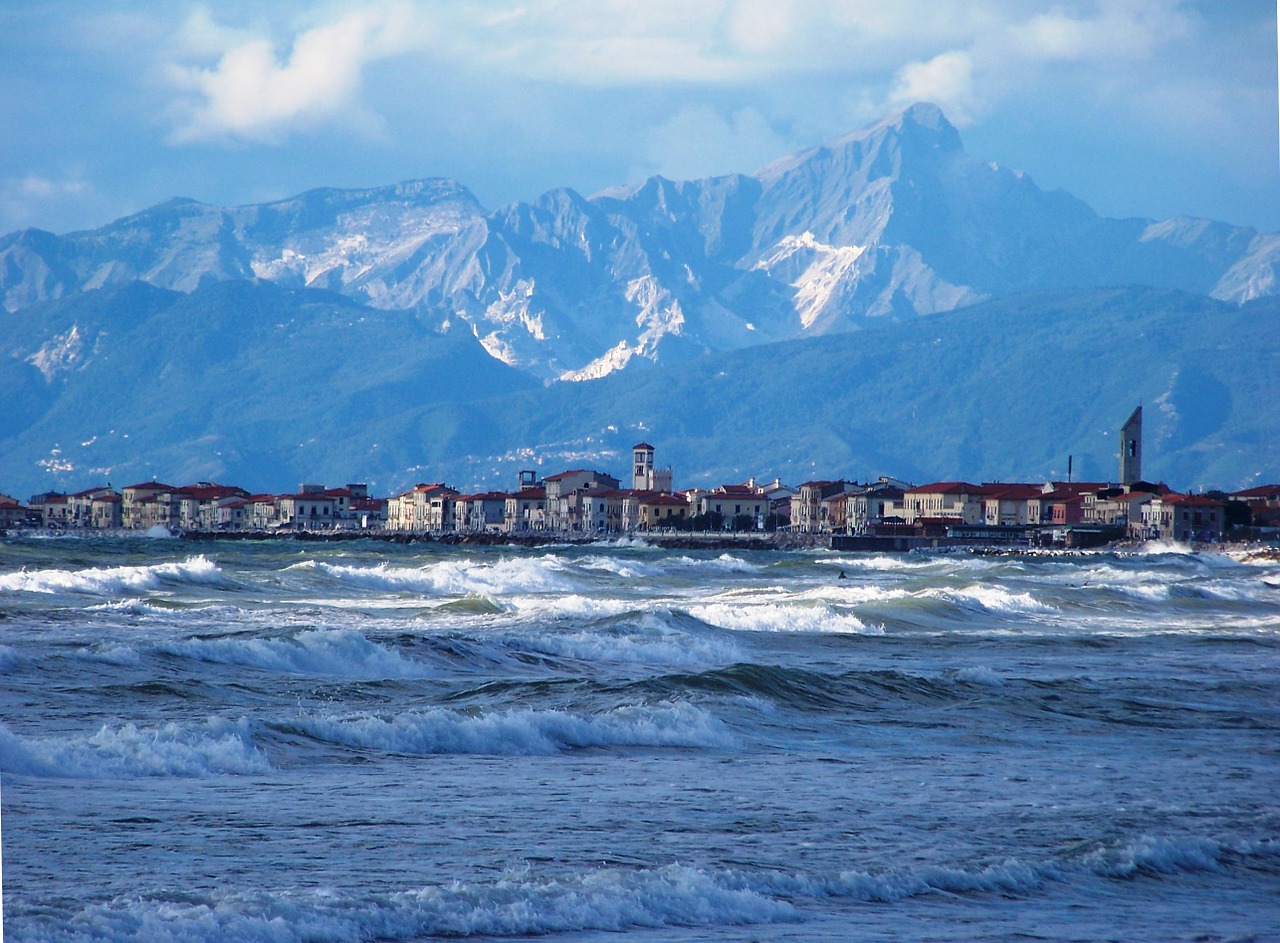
(991, 598)
(773, 617)
(517, 903)
(455, 576)
(980, 674)
(128, 752)
(522, 732)
(337, 652)
(114, 581)
(1149, 854)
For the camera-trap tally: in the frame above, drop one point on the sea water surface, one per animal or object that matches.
(286, 741)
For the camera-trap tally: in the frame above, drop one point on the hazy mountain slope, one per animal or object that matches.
(266, 387)
(892, 221)
(1004, 390)
(238, 379)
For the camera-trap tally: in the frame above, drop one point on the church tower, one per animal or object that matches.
(1131, 449)
(642, 467)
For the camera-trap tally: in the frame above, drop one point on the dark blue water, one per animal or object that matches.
(298, 742)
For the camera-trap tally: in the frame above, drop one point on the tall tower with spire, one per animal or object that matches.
(1131, 449)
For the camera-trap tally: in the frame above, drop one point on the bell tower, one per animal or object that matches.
(642, 467)
(1131, 449)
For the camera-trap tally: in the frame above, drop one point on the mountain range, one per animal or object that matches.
(405, 332)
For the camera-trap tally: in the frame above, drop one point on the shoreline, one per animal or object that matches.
(1248, 551)
(779, 542)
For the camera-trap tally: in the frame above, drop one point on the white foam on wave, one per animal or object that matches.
(990, 598)
(115, 581)
(725, 563)
(980, 674)
(338, 652)
(455, 576)
(878, 563)
(110, 653)
(627, 569)
(1009, 877)
(132, 606)
(853, 594)
(1157, 548)
(649, 640)
(130, 752)
(774, 617)
(518, 903)
(523, 732)
(570, 606)
(1153, 855)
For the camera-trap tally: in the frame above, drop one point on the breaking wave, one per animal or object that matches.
(115, 581)
(522, 902)
(130, 752)
(521, 732)
(461, 577)
(771, 617)
(338, 652)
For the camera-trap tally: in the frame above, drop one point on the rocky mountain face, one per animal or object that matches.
(891, 222)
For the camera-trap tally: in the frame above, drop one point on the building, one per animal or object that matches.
(423, 508)
(954, 502)
(734, 502)
(662, 510)
(306, 510)
(566, 511)
(1182, 517)
(138, 507)
(644, 475)
(1131, 449)
(1009, 504)
(806, 505)
(480, 513)
(526, 509)
(12, 513)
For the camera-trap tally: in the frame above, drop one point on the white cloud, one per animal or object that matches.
(966, 57)
(946, 80)
(254, 93)
(700, 142)
(29, 199)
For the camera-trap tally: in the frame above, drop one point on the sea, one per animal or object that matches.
(285, 741)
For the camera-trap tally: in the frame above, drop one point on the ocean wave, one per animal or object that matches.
(979, 674)
(111, 653)
(459, 577)
(772, 617)
(626, 569)
(991, 599)
(10, 658)
(570, 606)
(131, 752)
(516, 904)
(337, 652)
(521, 732)
(1148, 855)
(115, 581)
(725, 563)
(522, 901)
(639, 639)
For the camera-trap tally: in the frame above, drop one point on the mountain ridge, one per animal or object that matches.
(894, 220)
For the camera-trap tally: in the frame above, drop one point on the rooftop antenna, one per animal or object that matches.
(1071, 458)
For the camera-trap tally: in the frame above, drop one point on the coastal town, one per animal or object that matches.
(884, 514)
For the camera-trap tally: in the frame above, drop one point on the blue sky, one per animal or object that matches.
(1140, 107)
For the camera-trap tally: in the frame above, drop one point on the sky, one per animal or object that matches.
(1151, 108)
